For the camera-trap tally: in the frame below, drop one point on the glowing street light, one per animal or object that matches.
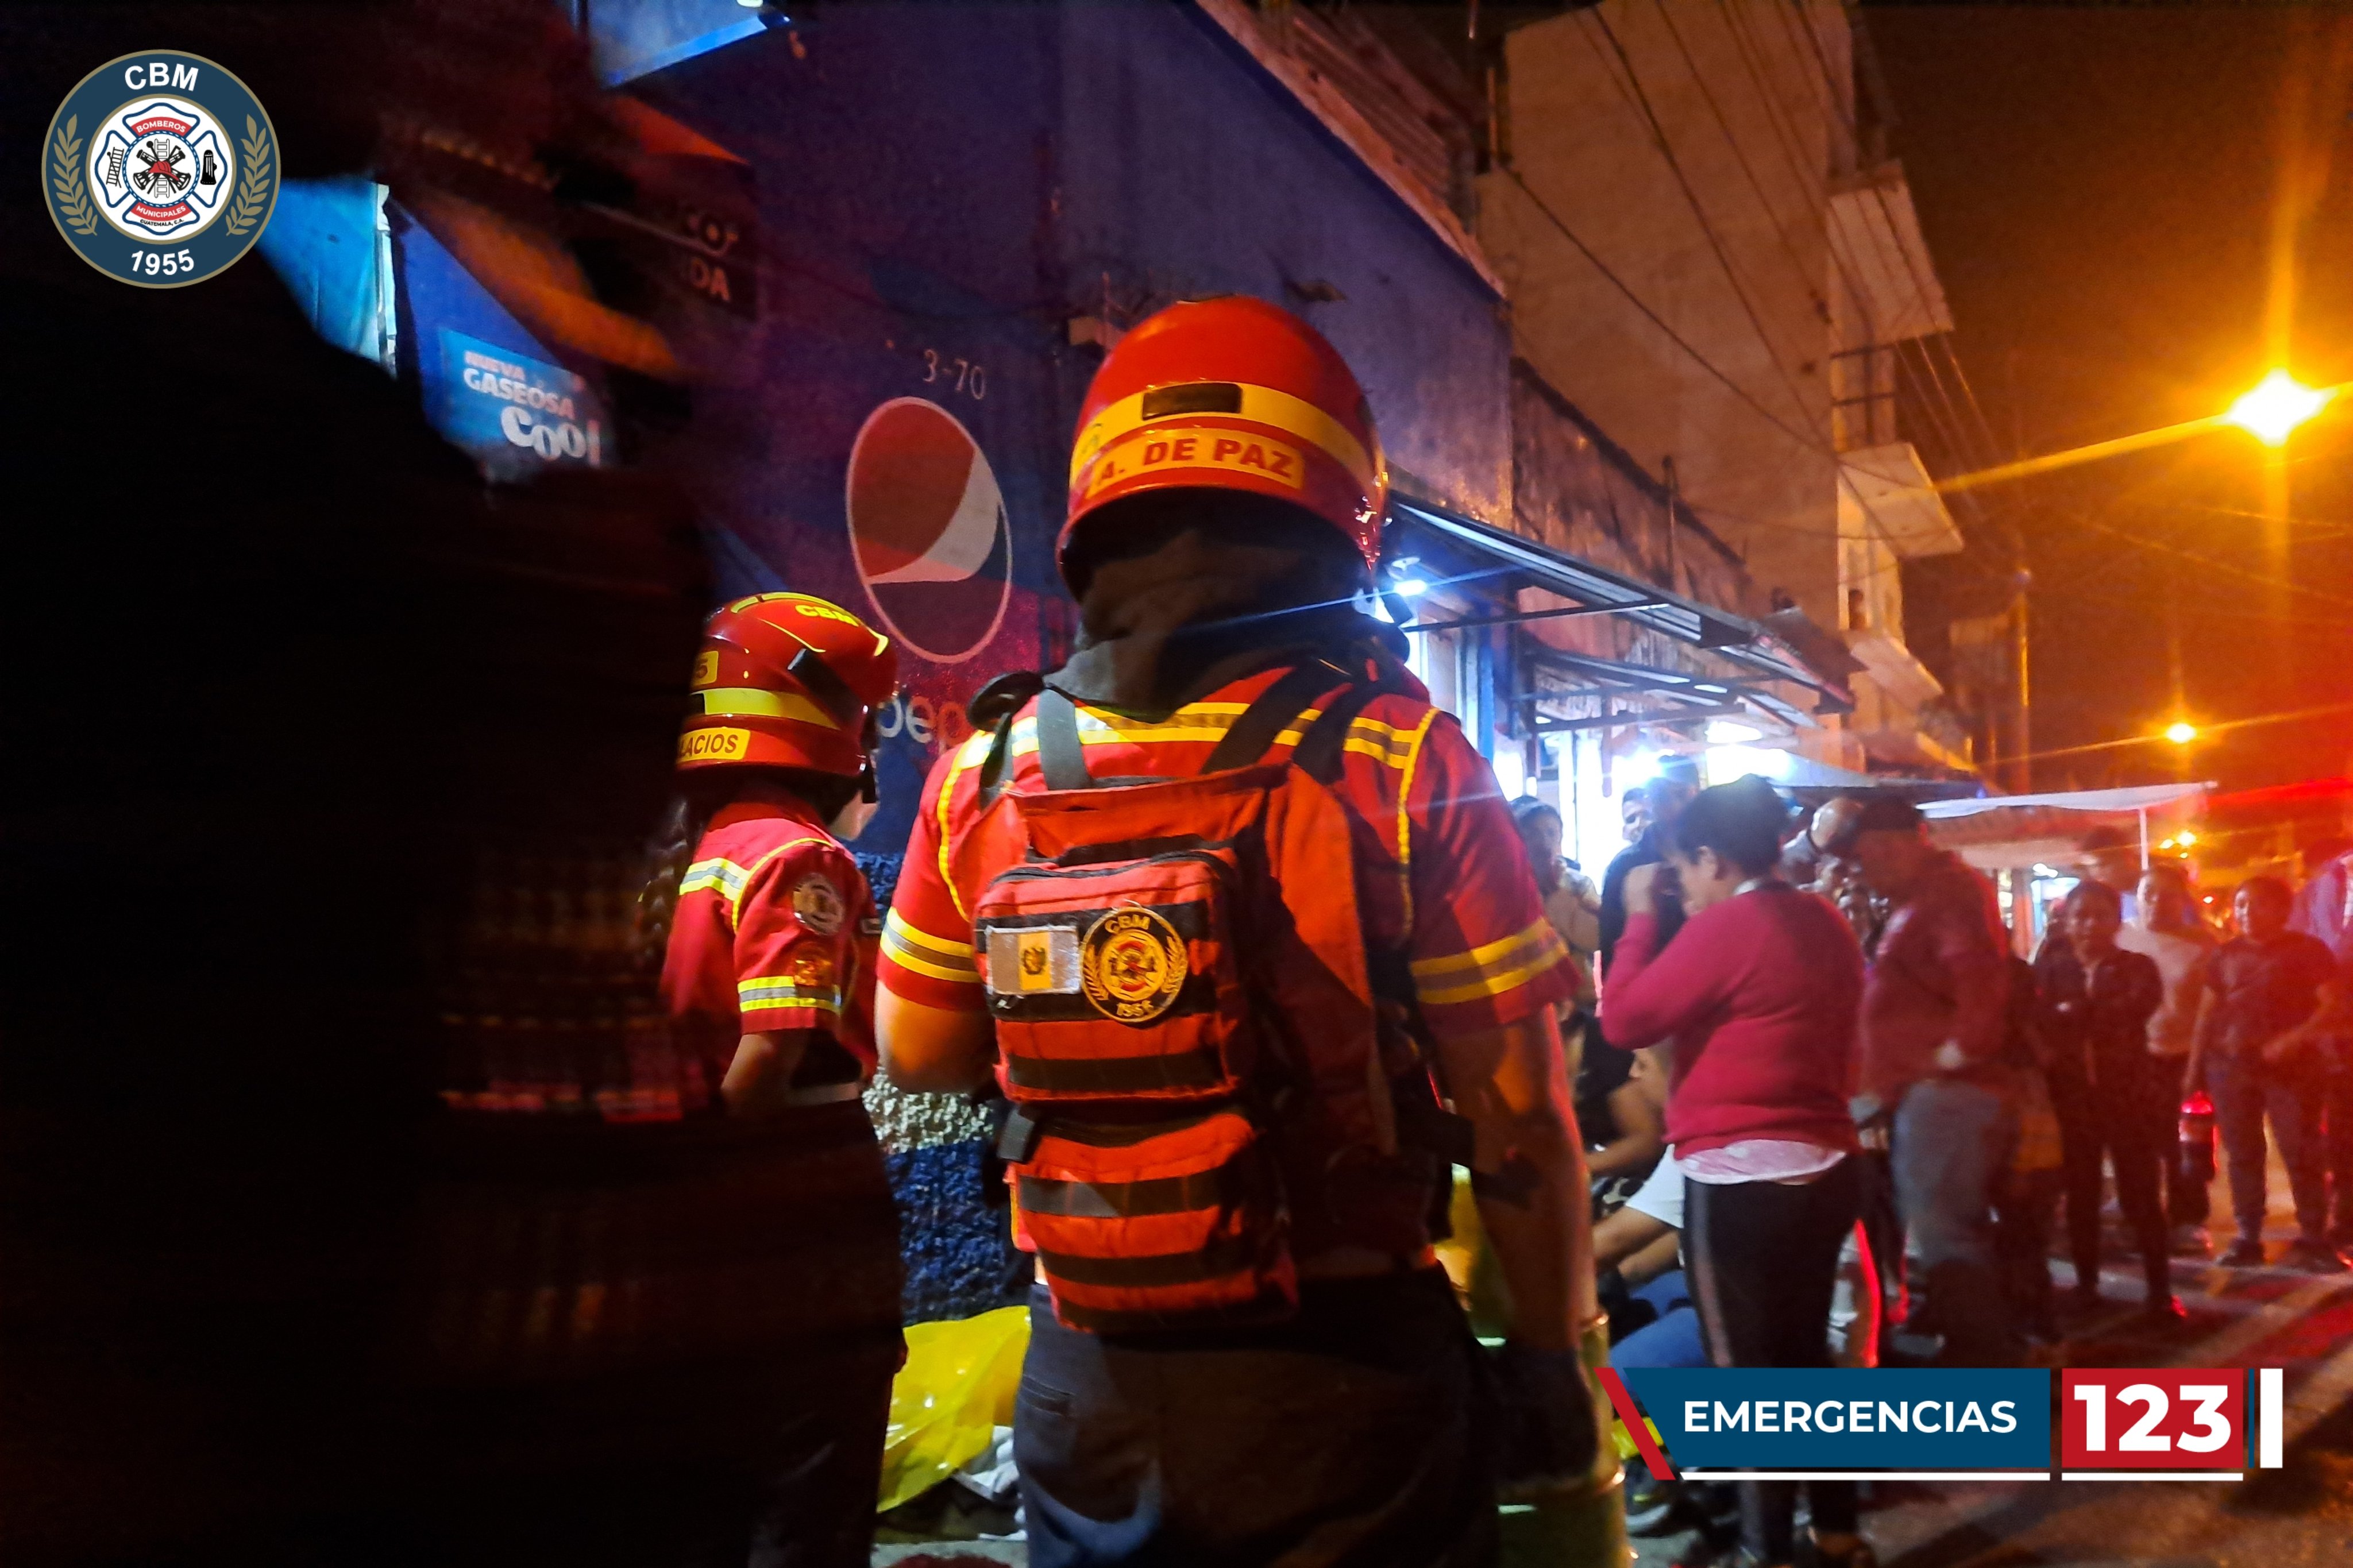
(2181, 731)
(2275, 405)
(2270, 411)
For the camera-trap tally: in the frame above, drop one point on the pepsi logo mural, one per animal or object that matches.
(928, 531)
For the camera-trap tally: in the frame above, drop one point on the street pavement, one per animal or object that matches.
(2297, 1517)
(2301, 1515)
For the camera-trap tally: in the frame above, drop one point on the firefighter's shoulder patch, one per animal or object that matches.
(818, 904)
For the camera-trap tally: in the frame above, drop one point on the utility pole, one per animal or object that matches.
(1674, 550)
(2021, 579)
(2022, 726)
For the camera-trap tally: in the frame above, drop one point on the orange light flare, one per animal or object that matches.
(2275, 407)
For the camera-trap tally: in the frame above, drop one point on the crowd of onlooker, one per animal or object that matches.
(1832, 1115)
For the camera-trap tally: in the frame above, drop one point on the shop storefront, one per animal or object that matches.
(1485, 609)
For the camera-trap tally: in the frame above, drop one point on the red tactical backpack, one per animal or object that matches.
(1193, 1041)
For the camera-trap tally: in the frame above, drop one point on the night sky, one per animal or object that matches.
(2099, 187)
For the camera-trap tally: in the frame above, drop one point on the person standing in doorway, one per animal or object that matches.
(2096, 1002)
(1633, 814)
(1571, 904)
(1666, 796)
(2168, 931)
(1933, 1017)
(2276, 994)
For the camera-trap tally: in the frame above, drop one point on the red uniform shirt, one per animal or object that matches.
(1440, 870)
(774, 930)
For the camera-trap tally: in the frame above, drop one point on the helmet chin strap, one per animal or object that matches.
(851, 819)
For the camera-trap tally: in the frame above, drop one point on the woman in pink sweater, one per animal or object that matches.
(1759, 994)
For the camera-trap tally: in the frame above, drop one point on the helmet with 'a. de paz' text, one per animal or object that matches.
(1229, 394)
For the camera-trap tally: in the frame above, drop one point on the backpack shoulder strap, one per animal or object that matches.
(1269, 715)
(1060, 755)
(995, 707)
(1320, 749)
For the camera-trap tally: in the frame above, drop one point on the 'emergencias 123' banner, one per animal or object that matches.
(2181, 1424)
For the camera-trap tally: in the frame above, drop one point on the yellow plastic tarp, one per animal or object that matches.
(946, 1402)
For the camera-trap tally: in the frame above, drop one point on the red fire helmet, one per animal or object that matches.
(1230, 394)
(787, 680)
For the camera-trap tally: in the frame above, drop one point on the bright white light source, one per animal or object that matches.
(1412, 587)
(1731, 732)
(2276, 405)
(1638, 769)
(1511, 773)
(1725, 763)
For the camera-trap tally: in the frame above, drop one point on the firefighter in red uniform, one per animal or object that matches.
(768, 977)
(1243, 927)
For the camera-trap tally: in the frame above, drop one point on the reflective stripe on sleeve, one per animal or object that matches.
(1489, 970)
(771, 994)
(910, 948)
(724, 877)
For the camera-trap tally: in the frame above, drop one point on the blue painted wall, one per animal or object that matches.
(941, 189)
(946, 183)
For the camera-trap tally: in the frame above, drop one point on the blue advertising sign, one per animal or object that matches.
(515, 414)
(1849, 1418)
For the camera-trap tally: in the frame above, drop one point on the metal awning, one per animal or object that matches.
(1700, 696)
(2123, 802)
(2001, 831)
(1495, 563)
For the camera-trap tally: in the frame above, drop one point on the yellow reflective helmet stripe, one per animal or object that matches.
(1260, 405)
(741, 701)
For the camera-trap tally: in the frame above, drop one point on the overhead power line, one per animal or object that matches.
(1651, 316)
(1631, 90)
(1708, 228)
(1797, 23)
(1952, 428)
